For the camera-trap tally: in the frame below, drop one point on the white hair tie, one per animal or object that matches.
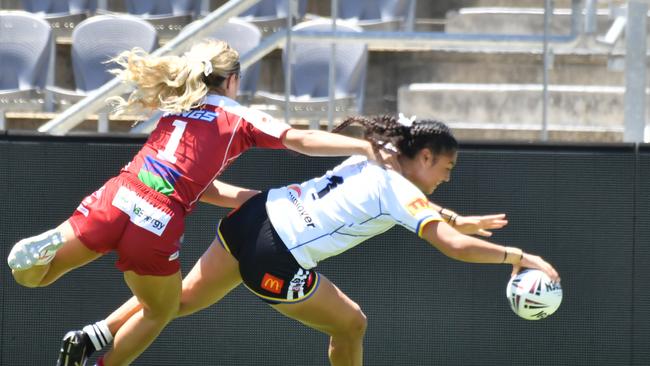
(405, 121)
(207, 67)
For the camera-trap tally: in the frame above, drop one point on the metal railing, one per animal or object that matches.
(74, 115)
(385, 40)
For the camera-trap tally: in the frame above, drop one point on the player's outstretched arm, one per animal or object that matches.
(480, 225)
(472, 225)
(470, 249)
(226, 195)
(322, 143)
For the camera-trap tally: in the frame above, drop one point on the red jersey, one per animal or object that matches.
(187, 151)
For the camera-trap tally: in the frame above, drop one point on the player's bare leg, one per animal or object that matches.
(159, 296)
(213, 276)
(330, 311)
(42, 259)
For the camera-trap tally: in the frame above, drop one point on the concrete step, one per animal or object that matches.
(388, 71)
(507, 106)
(517, 20)
(534, 3)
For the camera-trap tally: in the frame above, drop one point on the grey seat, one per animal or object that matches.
(271, 15)
(378, 14)
(163, 7)
(95, 41)
(25, 49)
(63, 15)
(102, 37)
(167, 16)
(310, 73)
(243, 37)
(50, 7)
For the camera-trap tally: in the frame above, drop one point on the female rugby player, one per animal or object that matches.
(140, 213)
(274, 241)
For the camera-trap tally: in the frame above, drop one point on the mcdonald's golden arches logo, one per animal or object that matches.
(272, 284)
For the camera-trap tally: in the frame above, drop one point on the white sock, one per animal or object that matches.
(99, 334)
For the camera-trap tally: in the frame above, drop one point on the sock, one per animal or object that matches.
(99, 334)
(100, 361)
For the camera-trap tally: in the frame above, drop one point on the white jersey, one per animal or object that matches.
(353, 202)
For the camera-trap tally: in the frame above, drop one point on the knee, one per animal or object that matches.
(355, 325)
(161, 313)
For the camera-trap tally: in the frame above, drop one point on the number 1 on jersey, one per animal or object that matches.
(172, 143)
(332, 182)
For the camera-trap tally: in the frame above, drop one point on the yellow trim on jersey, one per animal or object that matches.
(285, 301)
(221, 239)
(425, 221)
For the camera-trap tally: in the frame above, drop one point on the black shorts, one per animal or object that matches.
(267, 267)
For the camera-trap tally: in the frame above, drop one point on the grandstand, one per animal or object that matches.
(478, 65)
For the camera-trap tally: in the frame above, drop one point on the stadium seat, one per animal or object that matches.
(168, 7)
(25, 55)
(59, 6)
(95, 41)
(310, 73)
(167, 16)
(271, 15)
(63, 15)
(243, 37)
(378, 14)
(101, 37)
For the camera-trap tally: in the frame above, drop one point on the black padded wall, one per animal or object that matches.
(585, 209)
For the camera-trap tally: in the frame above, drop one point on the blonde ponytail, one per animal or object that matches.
(173, 83)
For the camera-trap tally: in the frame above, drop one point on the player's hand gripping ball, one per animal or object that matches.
(532, 295)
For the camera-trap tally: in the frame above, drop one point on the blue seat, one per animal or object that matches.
(378, 14)
(102, 37)
(63, 15)
(51, 7)
(243, 37)
(25, 56)
(163, 7)
(168, 17)
(95, 41)
(310, 73)
(271, 15)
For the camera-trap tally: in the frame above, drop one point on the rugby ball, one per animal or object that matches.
(532, 295)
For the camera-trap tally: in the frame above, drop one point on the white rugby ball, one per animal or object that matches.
(532, 295)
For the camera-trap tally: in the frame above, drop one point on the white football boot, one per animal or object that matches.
(35, 251)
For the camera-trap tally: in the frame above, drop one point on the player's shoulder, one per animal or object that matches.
(232, 107)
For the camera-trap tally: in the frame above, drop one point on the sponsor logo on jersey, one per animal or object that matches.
(200, 114)
(158, 176)
(272, 284)
(295, 188)
(141, 212)
(302, 211)
(418, 205)
(301, 280)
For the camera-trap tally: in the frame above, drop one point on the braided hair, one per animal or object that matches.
(383, 130)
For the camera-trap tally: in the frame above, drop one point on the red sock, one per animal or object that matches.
(100, 362)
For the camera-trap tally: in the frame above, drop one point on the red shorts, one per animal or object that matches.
(143, 226)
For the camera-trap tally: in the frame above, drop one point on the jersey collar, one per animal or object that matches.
(220, 101)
